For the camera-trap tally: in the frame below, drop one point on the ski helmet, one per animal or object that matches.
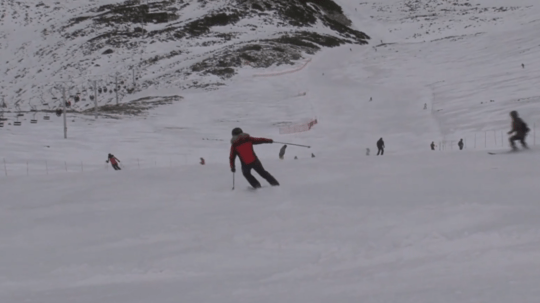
(513, 114)
(237, 131)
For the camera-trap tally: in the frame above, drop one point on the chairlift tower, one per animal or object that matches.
(3, 105)
(116, 87)
(2, 118)
(94, 84)
(62, 85)
(33, 109)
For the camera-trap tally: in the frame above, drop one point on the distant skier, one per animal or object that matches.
(432, 145)
(522, 65)
(114, 161)
(520, 128)
(460, 144)
(242, 146)
(282, 152)
(367, 151)
(380, 147)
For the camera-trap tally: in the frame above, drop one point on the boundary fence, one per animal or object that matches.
(48, 167)
(488, 139)
(298, 128)
(285, 72)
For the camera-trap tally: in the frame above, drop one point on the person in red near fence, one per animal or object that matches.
(114, 161)
(242, 146)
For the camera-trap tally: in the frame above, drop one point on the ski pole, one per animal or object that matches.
(232, 181)
(293, 144)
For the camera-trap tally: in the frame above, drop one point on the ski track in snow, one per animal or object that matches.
(411, 226)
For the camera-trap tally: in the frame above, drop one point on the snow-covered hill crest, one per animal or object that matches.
(155, 44)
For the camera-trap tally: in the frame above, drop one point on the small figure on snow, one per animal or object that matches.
(370, 99)
(59, 112)
(114, 161)
(425, 105)
(367, 151)
(432, 145)
(312, 155)
(202, 161)
(522, 65)
(242, 146)
(380, 147)
(282, 152)
(520, 128)
(460, 144)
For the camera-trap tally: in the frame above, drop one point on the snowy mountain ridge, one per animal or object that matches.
(160, 44)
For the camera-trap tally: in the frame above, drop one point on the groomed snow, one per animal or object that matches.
(412, 226)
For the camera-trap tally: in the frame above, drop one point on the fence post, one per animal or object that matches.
(65, 164)
(46, 168)
(5, 168)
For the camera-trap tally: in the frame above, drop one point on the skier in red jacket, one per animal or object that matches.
(114, 161)
(242, 146)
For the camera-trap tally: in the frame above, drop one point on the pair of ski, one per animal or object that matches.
(512, 151)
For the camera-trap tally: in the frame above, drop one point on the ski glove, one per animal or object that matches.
(233, 169)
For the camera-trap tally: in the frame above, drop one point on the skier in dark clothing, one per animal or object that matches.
(114, 162)
(520, 128)
(282, 152)
(242, 146)
(380, 147)
(460, 144)
(432, 145)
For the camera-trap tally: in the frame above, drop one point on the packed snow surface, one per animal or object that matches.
(411, 226)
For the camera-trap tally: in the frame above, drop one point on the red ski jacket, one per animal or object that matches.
(242, 146)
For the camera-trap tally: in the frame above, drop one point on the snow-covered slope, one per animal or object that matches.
(421, 228)
(412, 226)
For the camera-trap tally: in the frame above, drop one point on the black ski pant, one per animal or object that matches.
(380, 151)
(257, 166)
(520, 138)
(116, 167)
